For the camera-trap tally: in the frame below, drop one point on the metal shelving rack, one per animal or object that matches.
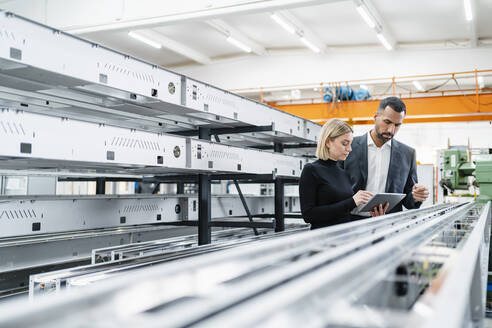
(72, 107)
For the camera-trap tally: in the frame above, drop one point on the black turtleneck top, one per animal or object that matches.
(326, 194)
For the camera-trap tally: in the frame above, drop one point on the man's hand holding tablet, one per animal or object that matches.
(379, 210)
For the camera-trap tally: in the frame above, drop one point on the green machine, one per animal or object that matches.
(483, 176)
(458, 168)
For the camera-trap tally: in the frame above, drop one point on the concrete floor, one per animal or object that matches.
(487, 323)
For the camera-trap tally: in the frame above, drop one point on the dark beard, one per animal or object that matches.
(382, 137)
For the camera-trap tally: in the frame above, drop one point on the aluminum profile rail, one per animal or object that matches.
(151, 251)
(461, 299)
(226, 104)
(208, 156)
(34, 215)
(23, 256)
(226, 277)
(410, 281)
(90, 82)
(83, 279)
(25, 252)
(28, 139)
(237, 285)
(41, 233)
(119, 252)
(148, 254)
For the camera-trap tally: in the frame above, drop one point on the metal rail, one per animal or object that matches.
(136, 256)
(240, 275)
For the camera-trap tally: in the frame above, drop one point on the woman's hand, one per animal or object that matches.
(362, 197)
(379, 210)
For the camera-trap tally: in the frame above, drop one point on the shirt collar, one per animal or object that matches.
(328, 162)
(370, 142)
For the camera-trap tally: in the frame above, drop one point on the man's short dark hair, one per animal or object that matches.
(395, 103)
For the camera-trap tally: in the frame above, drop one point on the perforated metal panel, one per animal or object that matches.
(36, 58)
(204, 155)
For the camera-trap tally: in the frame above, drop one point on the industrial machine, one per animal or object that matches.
(458, 167)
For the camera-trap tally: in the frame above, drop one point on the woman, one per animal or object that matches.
(324, 188)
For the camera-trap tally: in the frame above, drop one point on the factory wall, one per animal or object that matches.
(304, 67)
(427, 138)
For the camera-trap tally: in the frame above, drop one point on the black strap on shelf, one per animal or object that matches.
(245, 205)
(156, 188)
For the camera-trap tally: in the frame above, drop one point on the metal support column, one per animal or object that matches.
(204, 200)
(180, 188)
(278, 147)
(279, 195)
(279, 205)
(204, 210)
(100, 186)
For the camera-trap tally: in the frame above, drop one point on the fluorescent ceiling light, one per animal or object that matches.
(145, 40)
(286, 25)
(468, 10)
(418, 85)
(385, 42)
(238, 44)
(481, 82)
(365, 15)
(310, 45)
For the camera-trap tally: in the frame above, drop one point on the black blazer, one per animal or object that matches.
(402, 172)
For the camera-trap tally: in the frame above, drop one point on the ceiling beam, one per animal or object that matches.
(175, 46)
(229, 30)
(420, 109)
(160, 13)
(381, 28)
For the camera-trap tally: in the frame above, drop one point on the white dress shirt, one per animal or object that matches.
(378, 160)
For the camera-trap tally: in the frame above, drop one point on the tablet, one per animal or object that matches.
(392, 198)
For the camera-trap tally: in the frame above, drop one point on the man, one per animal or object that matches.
(378, 163)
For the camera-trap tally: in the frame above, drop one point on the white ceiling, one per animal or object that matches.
(336, 24)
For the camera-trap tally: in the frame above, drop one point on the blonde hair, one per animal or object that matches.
(332, 129)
